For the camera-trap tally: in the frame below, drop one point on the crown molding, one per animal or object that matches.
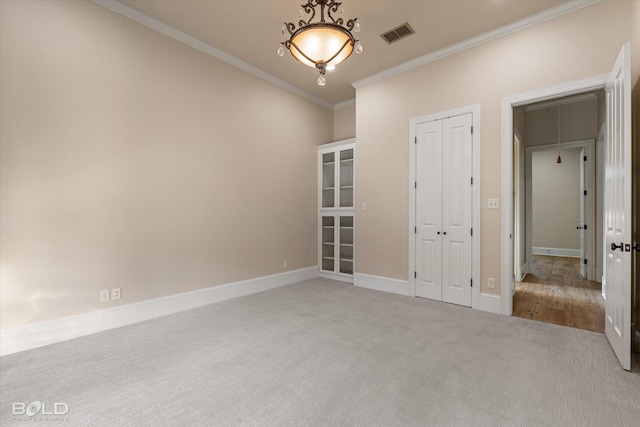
(344, 104)
(538, 18)
(136, 15)
(144, 19)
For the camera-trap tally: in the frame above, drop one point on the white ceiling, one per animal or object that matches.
(250, 30)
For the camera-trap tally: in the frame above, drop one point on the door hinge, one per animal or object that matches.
(415, 184)
(415, 230)
(415, 275)
(584, 159)
(585, 192)
(472, 231)
(471, 180)
(415, 140)
(584, 227)
(471, 130)
(472, 283)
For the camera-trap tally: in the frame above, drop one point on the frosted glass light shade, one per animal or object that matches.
(321, 44)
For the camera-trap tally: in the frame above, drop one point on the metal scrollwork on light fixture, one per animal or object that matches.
(322, 44)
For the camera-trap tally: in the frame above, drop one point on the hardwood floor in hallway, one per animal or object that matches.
(554, 292)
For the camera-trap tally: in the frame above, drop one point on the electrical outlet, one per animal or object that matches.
(116, 293)
(104, 295)
(284, 264)
(364, 206)
(491, 283)
(494, 203)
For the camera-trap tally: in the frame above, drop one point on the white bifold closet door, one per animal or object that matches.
(444, 210)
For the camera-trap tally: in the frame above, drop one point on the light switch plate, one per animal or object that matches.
(104, 295)
(494, 203)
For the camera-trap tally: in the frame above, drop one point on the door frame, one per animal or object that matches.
(508, 104)
(521, 260)
(590, 203)
(476, 301)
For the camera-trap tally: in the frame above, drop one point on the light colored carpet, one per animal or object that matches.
(324, 353)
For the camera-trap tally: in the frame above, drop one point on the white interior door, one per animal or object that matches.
(583, 213)
(617, 208)
(429, 210)
(444, 156)
(457, 163)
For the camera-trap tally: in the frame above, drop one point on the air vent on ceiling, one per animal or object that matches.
(398, 33)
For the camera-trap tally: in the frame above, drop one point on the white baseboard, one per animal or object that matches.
(570, 253)
(41, 334)
(385, 284)
(341, 277)
(485, 302)
(489, 302)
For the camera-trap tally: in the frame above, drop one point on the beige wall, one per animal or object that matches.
(344, 123)
(131, 160)
(582, 44)
(556, 198)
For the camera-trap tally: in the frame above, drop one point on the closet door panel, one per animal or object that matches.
(429, 211)
(455, 256)
(457, 209)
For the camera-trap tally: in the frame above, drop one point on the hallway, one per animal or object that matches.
(554, 292)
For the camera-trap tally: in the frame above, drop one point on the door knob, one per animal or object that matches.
(444, 232)
(614, 247)
(636, 247)
(438, 233)
(579, 228)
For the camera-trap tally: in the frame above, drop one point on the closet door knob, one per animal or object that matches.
(444, 232)
(614, 247)
(438, 233)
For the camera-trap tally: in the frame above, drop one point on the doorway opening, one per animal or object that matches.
(557, 241)
(617, 190)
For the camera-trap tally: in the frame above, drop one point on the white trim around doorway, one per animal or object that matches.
(508, 103)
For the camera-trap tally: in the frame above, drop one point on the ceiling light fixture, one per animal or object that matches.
(321, 44)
